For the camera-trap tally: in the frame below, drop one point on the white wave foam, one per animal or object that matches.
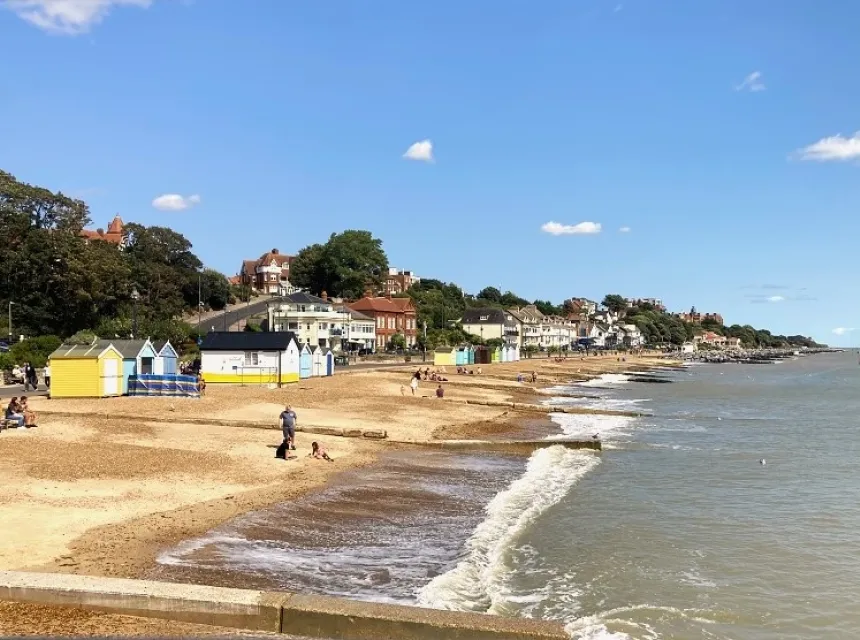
(585, 425)
(179, 554)
(607, 379)
(477, 583)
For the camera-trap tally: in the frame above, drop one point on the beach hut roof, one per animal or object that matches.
(129, 348)
(93, 350)
(161, 345)
(247, 341)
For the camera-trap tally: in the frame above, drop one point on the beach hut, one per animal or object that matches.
(86, 371)
(496, 355)
(482, 355)
(507, 353)
(317, 362)
(445, 357)
(306, 362)
(470, 354)
(461, 358)
(516, 353)
(329, 363)
(138, 358)
(166, 359)
(247, 357)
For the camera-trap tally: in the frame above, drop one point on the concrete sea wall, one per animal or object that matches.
(302, 615)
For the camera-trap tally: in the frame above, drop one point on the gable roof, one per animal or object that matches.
(247, 341)
(130, 348)
(489, 315)
(93, 350)
(403, 304)
(279, 258)
(300, 297)
(161, 345)
(374, 305)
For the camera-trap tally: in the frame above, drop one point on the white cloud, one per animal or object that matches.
(175, 202)
(624, 230)
(841, 331)
(420, 151)
(776, 298)
(836, 147)
(752, 82)
(70, 17)
(583, 228)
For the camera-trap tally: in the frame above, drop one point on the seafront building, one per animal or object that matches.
(492, 324)
(392, 317)
(313, 320)
(399, 281)
(270, 273)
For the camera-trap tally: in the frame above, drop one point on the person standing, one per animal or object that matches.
(32, 377)
(47, 374)
(288, 419)
(413, 384)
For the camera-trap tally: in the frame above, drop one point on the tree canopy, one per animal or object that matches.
(346, 266)
(60, 284)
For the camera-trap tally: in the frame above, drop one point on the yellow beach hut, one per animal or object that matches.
(86, 370)
(444, 357)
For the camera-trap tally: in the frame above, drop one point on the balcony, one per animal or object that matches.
(336, 332)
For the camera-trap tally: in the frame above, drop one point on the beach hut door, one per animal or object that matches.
(146, 365)
(111, 377)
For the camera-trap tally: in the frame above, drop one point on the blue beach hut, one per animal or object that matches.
(462, 357)
(470, 354)
(138, 358)
(305, 362)
(166, 359)
(329, 363)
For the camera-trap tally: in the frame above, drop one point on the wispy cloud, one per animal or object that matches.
(422, 151)
(841, 331)
(753, 82)
(832, 149)
(776, 299)
(175, 202)
(624, 230)
(68, 17)
(583, 228)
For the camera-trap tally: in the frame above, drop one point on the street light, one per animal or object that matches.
(10, 321)
(135, 296)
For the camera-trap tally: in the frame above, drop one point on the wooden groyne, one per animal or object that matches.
(272, 612)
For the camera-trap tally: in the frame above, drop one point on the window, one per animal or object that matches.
(252, 359)
(146, 366)
(380, 322)
(308, 327)
(483, 318)
(390, 322)
(293, 326)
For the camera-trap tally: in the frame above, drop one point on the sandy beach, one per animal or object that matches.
(102, 485)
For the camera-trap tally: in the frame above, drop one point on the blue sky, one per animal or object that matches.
(721, 133)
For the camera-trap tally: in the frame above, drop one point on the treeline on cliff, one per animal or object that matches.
(59, 284)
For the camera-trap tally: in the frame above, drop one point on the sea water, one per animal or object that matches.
(676, 530)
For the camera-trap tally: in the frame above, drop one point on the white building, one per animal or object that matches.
(313, 320)
(359, 331)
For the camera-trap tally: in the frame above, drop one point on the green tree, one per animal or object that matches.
(491, 294)
(308, 269)
(398, 341)
(615, 303)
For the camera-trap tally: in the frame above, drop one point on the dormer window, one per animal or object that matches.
(483, 318)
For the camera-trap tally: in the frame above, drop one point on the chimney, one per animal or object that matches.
(324, 296)
(274, 252)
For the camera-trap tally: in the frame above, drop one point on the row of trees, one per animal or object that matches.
(59, 284)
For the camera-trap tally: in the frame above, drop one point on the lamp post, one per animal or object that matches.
(135, 296)
(10, 321)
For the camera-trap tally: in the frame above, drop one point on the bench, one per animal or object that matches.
(7, 424)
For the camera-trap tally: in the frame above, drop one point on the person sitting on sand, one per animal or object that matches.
(480, 371)
(318, 452)
(440, 392)
(13, 412)
(29, 414)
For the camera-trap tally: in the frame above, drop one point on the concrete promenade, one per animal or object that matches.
(294, 614)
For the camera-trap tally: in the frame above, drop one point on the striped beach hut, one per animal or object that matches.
(306, 362)
(86, 371)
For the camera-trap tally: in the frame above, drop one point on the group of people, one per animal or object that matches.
(19, 411)
(288, 420)
(464, 371)
(28, 376)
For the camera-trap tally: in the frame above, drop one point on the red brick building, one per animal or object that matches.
(398, 281)
(392, 316)
(115, 233)
(270, 273)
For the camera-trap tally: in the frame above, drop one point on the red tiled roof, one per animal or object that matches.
(249, 266)
(403, 304)
(279, 258)
(384, 305)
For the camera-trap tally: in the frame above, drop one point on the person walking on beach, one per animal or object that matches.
(33, 377)
(47, 374)
(288, 426)
(413, 384)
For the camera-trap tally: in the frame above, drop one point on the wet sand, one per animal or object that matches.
(102, 494)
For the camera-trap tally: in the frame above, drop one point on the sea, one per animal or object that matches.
(729, 509)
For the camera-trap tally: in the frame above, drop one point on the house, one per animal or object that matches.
(491, 324)
(632, 338)
(166, 362)
(694, 317)
(359, 332)
(86, 371)
(138, 358)
(392, 316)
(657, 303)
(712, 339)
(688, 347)
(557, 332)
(115, 233)
(270, 273)
(245, 357)
(733, 343)
(529, 319)
(398, 281)
(314, 320)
